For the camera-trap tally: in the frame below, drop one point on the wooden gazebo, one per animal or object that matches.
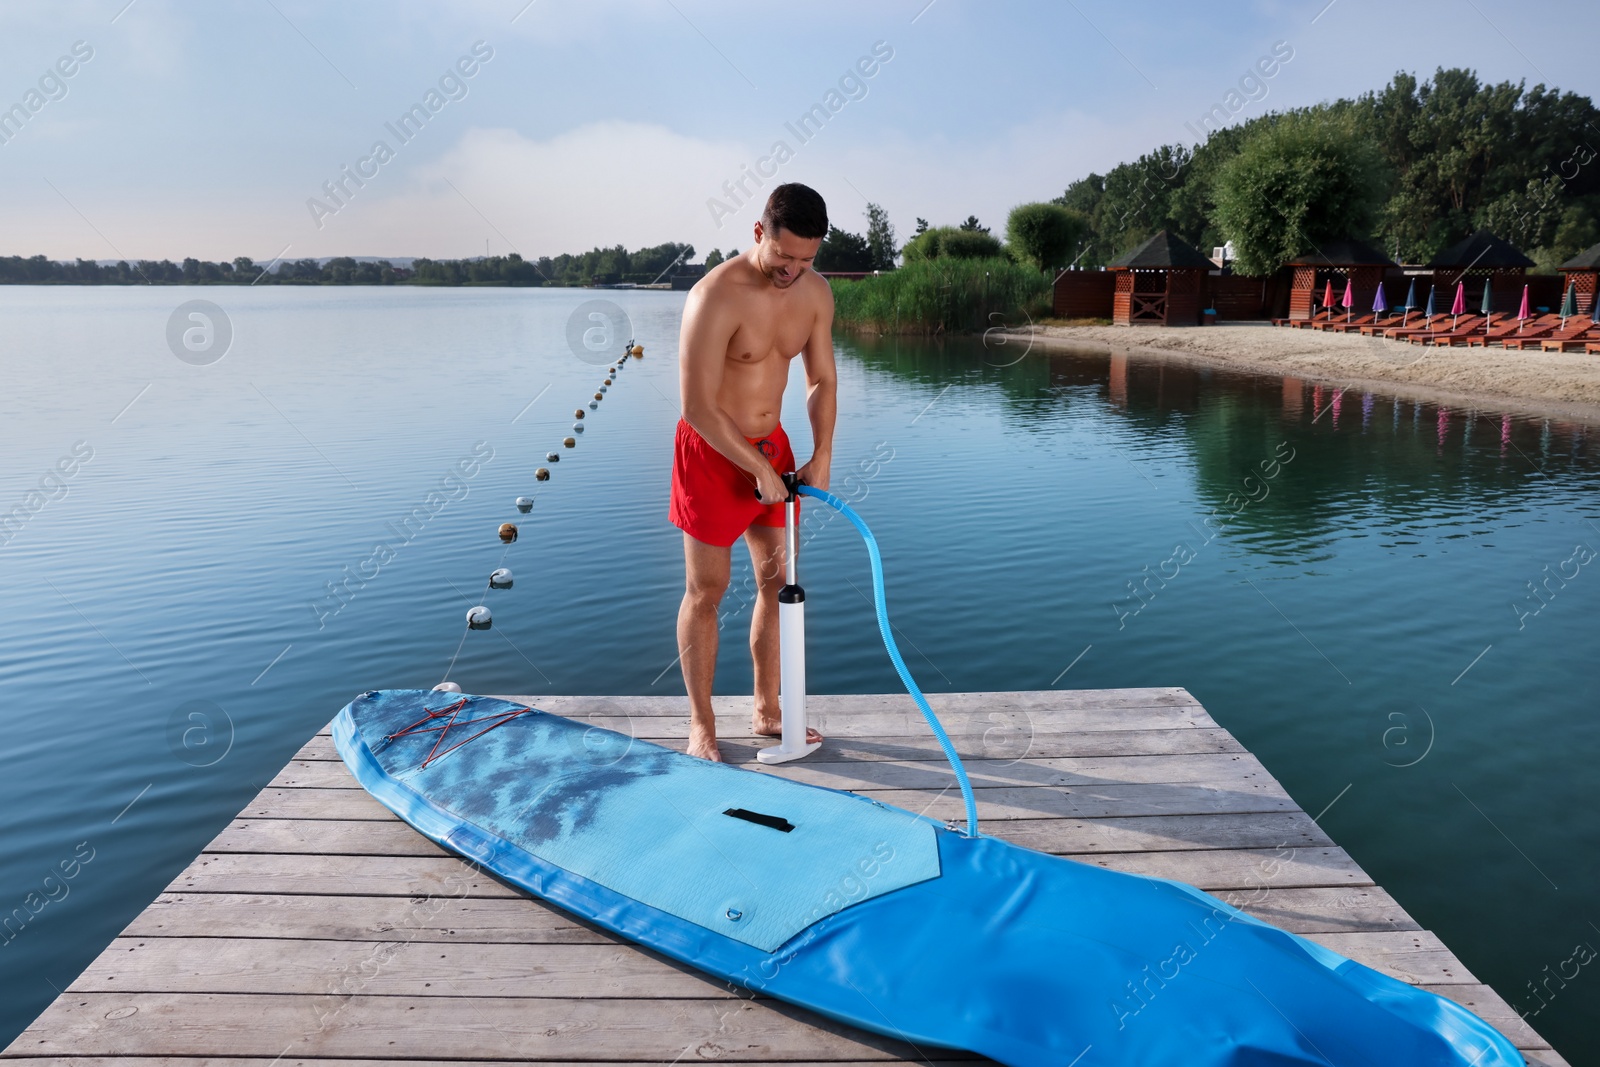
(1483, 256)
(1159, 283)
(1345, 261)
(1582, 272)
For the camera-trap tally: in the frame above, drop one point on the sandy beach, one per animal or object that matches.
(1565, 385)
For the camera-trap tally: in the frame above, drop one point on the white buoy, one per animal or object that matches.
(553, 457)
(479, 618)
(524, 504)
(593, 404)
(577, 427)
(447, 687)
(500, 578)
(791, 652)
(603, 388)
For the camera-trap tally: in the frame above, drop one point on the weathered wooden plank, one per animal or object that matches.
(1161, 833)
(1416, 957)
(447, 919)
(327, 837)
(739, 749)
(1322, 909)
(525, 1029)
(367, 876)
(1249, 869)
(1091, 801)
(396, 967)
(1211, 768)
(1073, 837)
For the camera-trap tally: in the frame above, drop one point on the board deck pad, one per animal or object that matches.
(699, 840)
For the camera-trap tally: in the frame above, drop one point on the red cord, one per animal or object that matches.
(454, 711)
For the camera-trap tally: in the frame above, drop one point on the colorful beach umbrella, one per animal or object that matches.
(1569, 303)
(1327, 298)
(1379, 306)
(1522, 311)
(1458, 306)
(1411, 301)
(1487, 315)
(1349, 297)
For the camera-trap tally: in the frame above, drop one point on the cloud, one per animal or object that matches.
(603, 183)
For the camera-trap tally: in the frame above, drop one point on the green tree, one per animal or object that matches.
(1045, 235)
(842, 250)
(972, 225)
(880, 238)
(953, 243)
(713, 258)
(1296, 183)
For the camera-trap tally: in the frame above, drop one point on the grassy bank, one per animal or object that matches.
(953, 295)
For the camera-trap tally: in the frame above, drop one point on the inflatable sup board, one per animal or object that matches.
(877, 917)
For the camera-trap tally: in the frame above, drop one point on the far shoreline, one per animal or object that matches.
(1539, 384)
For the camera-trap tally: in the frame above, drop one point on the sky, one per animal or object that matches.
(214, 129)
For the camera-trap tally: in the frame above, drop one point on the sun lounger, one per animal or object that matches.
(1559, 342)
(1463, 326)
(1576, 327)
(1541, 326)
(1388, 329)
(1349, 327)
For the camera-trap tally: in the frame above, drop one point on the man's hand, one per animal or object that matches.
(815, 472)
(769, 486)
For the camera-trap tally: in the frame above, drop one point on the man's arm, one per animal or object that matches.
(702, 354)
(822, 391)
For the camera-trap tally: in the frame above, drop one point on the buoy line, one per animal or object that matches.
(479, 617)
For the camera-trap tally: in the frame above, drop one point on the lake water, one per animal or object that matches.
(1342, 580)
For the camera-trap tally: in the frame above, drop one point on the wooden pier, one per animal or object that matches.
(319, 929)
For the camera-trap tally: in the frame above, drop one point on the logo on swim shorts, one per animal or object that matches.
(768, 449)
(597, 330)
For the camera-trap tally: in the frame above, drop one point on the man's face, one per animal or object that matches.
(782, 256)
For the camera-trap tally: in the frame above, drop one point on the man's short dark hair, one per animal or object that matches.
(796, 208)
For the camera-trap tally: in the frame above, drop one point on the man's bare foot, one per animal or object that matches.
(772, 726)
(703, 743)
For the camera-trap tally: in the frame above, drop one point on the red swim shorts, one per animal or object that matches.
(715, 501)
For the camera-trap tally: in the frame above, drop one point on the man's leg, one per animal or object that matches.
(705, 580)
(768, 562)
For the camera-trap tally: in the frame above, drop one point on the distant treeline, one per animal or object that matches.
(600, 266)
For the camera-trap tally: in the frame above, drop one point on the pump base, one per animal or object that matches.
(780, 753)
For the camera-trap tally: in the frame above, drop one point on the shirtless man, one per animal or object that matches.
(742, 325)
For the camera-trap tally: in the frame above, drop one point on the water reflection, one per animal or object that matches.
(1406, 462)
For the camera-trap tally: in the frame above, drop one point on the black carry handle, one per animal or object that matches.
(790, 481)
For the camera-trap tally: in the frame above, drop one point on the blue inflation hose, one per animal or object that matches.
(894, 651)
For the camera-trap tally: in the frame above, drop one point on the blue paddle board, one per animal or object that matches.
(875, 916)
